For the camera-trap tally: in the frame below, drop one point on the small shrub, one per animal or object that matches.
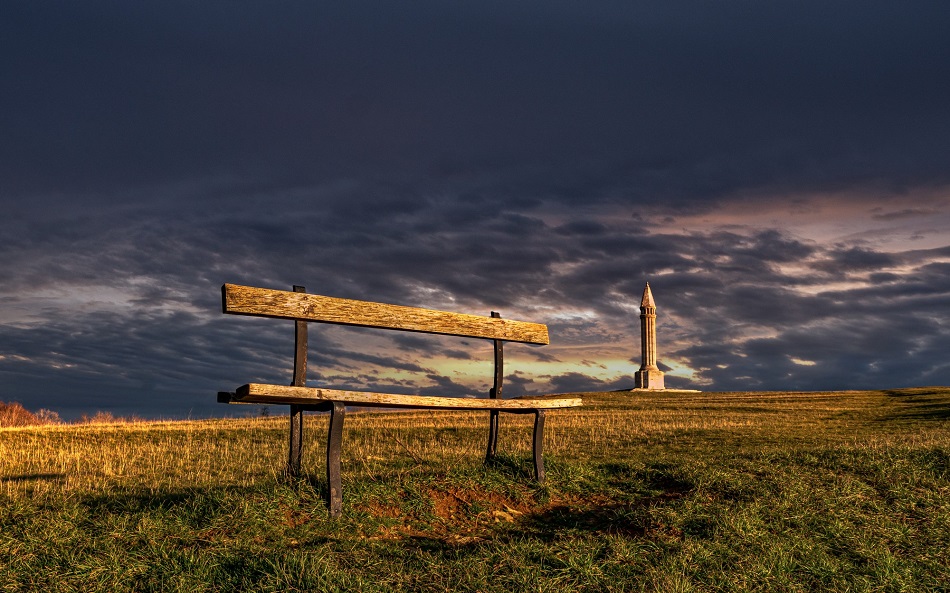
(48, 416)
(99, 417)
(14, 414)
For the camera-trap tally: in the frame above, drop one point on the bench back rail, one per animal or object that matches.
(300, 306)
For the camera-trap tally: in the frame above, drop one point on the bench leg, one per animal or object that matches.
(296, 440)
(334, 439)
(492, 436)
(537, 445)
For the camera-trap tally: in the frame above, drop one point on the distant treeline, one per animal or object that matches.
(14, 414)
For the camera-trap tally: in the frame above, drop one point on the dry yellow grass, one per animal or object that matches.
(201, 453)
(705, 492)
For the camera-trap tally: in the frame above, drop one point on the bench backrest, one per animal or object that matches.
(300, 306)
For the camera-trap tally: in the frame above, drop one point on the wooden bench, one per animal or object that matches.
(303, 308)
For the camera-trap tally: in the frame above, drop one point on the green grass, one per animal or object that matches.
(673, 492)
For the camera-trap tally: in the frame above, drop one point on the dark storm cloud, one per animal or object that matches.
(531, 158)
(673, 99)
(862, 336)
(882, 214)
(574, 382)
(856, 259)
(429, 347)
(154, 353)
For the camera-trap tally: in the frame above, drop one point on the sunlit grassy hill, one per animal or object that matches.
(715, 491)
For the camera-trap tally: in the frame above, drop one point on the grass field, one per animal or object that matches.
(674, 492)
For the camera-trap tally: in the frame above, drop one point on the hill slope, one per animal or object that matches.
(741, 491)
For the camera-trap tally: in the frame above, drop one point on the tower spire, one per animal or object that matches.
(649, 376)
(647, 300)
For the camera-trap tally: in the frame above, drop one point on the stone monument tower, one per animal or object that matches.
(649, 376)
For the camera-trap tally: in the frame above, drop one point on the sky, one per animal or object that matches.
(778, 171)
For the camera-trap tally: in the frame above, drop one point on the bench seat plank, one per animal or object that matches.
(282, 304)
(262, 393)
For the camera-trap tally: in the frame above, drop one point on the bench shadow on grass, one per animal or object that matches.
(143, 502)
(33, 478)
(631, 517)
(515, 467)
(195, 510)
(658, 483)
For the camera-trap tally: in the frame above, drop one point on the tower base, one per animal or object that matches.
(649, 379)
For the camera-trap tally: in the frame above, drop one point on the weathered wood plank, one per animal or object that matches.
(295, 452)
(260, 393)
(264, 302)
(334, 444)
(495, 393)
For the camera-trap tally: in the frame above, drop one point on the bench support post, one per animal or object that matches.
(492, 436)
(538, 444)
(300, 380)
(495, 393)
(334, 440)
(296, 440)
